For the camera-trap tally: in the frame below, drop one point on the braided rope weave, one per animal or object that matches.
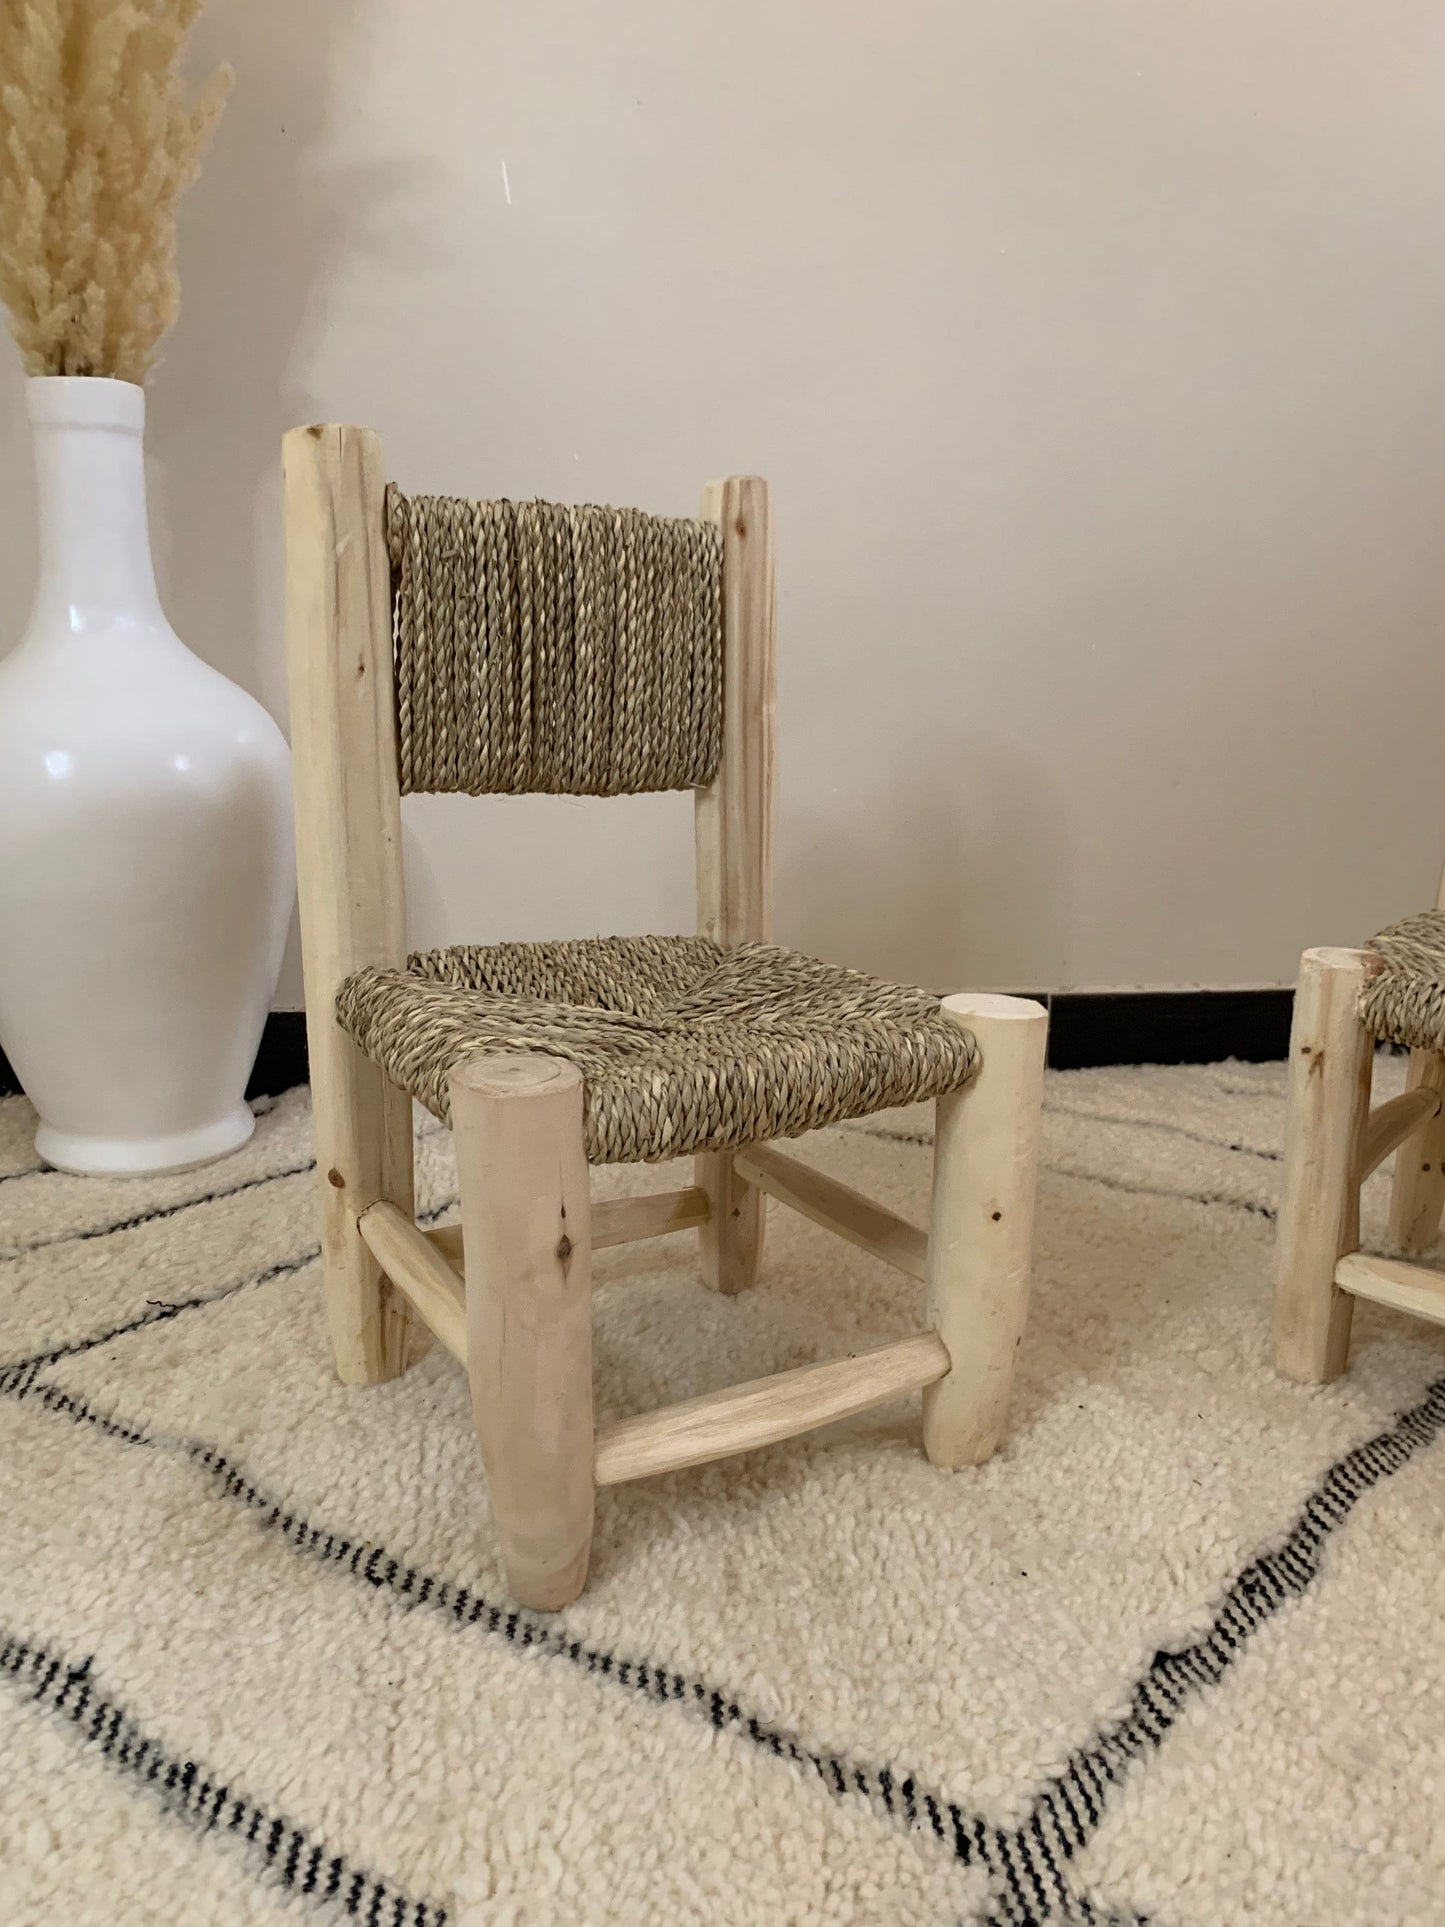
(548, 649)
(683, 1045)
(1405, 1004)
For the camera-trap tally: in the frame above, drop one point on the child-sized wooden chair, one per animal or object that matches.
(440, 644)
(1347, 1001)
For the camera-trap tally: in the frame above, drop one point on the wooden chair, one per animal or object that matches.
(1347, 1001)
(443, 644)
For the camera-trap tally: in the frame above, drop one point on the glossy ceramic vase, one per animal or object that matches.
(146, 869)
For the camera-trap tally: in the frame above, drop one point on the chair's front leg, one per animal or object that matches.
(985, 1158)
(1331, 1060)
(1417, 1195)
(527, 1237)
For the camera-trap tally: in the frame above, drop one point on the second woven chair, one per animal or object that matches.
(484, 647)
(1348, 1001)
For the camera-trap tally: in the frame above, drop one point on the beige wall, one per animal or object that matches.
(1094, 348)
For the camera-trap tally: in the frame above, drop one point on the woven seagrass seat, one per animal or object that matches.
(684, 1045)
(482, 648)
(1405, 1002)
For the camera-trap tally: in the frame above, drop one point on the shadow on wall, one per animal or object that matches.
(964, 876)
(262, 234)
(260, 237)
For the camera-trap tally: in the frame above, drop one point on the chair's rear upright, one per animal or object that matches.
(348, 860)
(493, 647)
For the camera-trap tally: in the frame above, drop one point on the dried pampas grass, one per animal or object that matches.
(97, 143)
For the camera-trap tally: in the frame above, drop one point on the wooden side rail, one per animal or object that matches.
(1389, 1281)
(836, 1206)
(1388, 1125)
(766, 1410)
(627, 1221)
(615, 1221)
(409, 1258)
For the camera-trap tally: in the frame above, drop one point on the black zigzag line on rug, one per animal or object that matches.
(1069, 1808)
(157, 1312)
(204, 1801)
(968, 1836)
(1159, 1125)
(1030, 1863)
(160, 1311)
(1093, 1117)
(159, 1212)
(156, 1215)
(1209, 1198)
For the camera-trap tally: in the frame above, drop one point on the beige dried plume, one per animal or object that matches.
(97, 143)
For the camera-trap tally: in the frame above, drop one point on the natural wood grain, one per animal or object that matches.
(1390, 1281)
(348, 860)
(734, 814)
(836, 1206)
(627, 1221)
(526, 1225)
(615, 1221)
(1417, 1195)
(734, 826)
(1389, 1125)
(730, 1238)
(1330, 1065)
(768, 1409)
(413, 1264)
(980, 1245)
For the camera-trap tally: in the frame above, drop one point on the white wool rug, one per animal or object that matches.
(1174, 1656)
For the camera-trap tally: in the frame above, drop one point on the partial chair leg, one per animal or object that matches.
(527, 1237)
(1331, 1059)
(1418, 1194)
(985, 1159)
(731, 1239)
(363, 1153)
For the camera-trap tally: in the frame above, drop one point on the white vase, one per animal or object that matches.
(146, 869)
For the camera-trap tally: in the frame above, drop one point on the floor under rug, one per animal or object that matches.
(1174, 1655)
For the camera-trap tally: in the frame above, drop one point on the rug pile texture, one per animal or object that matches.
(1174, 1656)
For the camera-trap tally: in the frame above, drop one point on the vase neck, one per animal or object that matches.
(94, 536)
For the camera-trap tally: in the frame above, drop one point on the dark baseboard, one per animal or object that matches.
(281, 1060)
(1086, 1028)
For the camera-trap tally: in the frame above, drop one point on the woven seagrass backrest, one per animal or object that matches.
(542, 648)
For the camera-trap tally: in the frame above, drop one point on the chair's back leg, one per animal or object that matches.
(734, 827)
(348, 861)
(527, 1243)
(980, 1241)
(1417, 1195)
(1331, 1062)
(730, 1239)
